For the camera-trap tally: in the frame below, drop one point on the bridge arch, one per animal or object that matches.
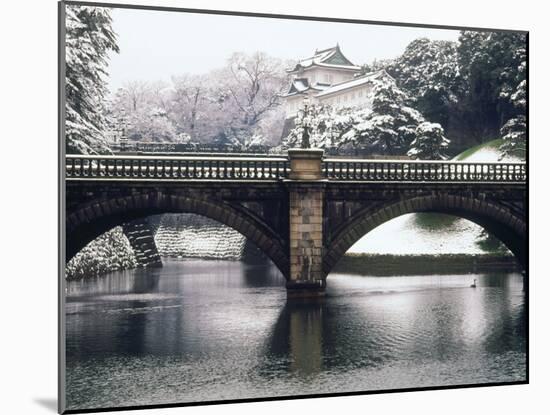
(499, 220)
(87, 221)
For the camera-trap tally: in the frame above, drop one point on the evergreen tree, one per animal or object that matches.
(429, 143)
(514, 132)
(491, 64)
(327, 125)
(428, 71)
(89, 39)
(390, 127)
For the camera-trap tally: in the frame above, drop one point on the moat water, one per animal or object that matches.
(216, 330)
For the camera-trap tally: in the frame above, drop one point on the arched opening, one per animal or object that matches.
(160, 240)
(501, 222)
(87, 222)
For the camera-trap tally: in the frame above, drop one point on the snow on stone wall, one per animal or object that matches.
(194, 236)
(108, 252)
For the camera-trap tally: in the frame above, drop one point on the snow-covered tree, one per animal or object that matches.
(430, 143)
(133, 96)
(193, 102)
(89, 40)
(376, 65)
(514, 134)
(326, 125)
(254, 83)
(390, 127)
(492, 65)
(234, 105)
(157, 127)
(428, 71)
(142, 109)
(514, 131)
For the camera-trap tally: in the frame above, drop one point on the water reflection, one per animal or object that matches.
(203, 330)
(298, 336)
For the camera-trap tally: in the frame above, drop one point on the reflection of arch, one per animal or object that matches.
(500, 221)
(88, 221)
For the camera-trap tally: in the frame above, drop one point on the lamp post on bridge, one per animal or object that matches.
(304, 114)
(123, 123)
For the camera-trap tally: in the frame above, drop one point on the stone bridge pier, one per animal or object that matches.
(306, 193)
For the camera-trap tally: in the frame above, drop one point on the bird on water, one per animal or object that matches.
(474, 284)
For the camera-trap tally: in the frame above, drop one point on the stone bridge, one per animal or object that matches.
(304, 212)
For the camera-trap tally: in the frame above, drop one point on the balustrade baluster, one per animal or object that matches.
(192, 169)
(69, 167)
(186, 169)
(170, 167)
(85, 163)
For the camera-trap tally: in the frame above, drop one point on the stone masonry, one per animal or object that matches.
(140, 236)
(306, 194)
(306, 232)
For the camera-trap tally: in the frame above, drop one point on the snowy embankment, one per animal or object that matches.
(193, 236)
(176, 235)
(108, 252)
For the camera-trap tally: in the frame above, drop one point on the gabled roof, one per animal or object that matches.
(301, 85)
(330, 58)
(352, 83)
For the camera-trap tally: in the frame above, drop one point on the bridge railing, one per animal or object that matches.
(136, 146)
(216, 167)
(166, 167)
(422, 171)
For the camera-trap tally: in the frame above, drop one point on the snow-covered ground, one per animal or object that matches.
(408, 235)
(486, 152)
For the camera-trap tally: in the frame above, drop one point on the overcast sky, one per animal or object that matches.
(154, 45)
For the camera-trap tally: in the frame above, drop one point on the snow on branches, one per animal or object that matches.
(514, 131)
(326, 126)
(388, 127)
(89, 39)
(429, 143)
